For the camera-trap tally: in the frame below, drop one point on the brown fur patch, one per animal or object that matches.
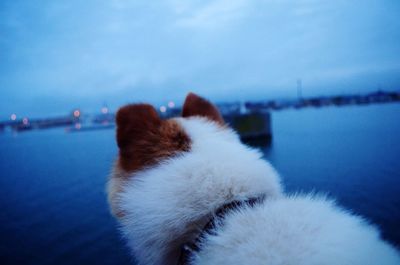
(144, 139)
(198, 106)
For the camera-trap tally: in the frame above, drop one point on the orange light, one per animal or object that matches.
(163, 109)
(171, 104)
(104, 110)
(25, 121)
(77, 113)
(13, 117)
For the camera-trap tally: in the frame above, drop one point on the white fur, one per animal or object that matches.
(168, 204)
(298, 230)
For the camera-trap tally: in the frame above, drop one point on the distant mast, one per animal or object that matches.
(299, 89)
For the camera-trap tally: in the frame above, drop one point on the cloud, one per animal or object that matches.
(212, 15)
(91, 51)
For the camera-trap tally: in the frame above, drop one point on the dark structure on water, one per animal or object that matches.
(252, 127)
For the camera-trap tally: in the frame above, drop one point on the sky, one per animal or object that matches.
(59, 55)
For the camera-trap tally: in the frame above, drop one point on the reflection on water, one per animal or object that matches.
(351, 154)
(54, 208)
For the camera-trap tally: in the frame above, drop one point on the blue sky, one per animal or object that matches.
(57, 55)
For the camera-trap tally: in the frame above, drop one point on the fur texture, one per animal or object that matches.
(167, 202)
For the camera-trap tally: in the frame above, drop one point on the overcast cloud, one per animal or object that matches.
(57, 55)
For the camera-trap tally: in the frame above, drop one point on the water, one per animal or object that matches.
(53, 204)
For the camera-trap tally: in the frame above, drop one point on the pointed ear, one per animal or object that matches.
(133, 121)
(198, 106)
(144, 139)
(137, 131)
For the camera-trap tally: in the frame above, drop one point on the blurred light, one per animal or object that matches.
(25, 121)
(163, 109)
(171, 104)
(77, 113)
(78, 126)
(104, 110)
(13, 117)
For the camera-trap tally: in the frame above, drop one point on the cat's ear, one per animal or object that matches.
(198, 106)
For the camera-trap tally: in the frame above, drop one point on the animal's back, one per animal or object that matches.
(296, 230)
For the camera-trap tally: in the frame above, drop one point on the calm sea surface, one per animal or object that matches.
(54, 209)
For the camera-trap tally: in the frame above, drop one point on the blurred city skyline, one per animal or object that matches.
(60, 55)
